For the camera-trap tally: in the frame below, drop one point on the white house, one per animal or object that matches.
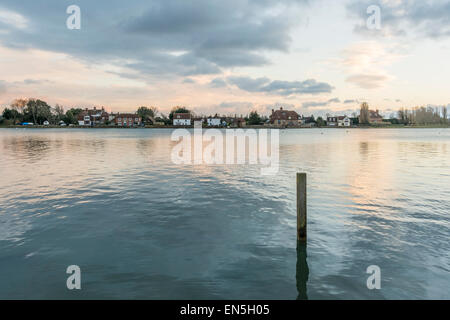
(181, 119)
(341, 121)
(85, 120)
(213, 122)
(344, 121)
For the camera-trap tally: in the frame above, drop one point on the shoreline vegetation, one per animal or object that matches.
(35, 113)
(393, 126)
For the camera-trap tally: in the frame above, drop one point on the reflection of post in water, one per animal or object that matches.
(302, 272)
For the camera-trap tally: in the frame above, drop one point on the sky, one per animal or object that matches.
(227, 57)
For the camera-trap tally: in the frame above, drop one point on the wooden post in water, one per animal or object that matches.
(301, 207)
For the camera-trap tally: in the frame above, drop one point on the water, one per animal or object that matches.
(141, 227)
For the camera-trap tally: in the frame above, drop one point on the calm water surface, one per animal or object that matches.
(140, 227)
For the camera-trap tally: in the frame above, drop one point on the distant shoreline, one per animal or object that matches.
(246, 127)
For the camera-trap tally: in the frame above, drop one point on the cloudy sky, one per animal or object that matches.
(227, 56)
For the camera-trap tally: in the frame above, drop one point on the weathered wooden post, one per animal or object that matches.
(301, 207)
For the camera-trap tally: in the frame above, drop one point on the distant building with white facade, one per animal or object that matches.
(213, 122)
(181, 119)
(341, 121)
(92, 117)
(344, 121)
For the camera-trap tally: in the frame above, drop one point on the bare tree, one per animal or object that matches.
(18, 105)
(444, 114)
(364, 114)
(59, 112)
(154, 111)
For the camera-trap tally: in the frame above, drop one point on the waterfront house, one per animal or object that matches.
(339, 121)
(182, 119)
(112, 118)
(127, 119)
(234, 122)
(344, 121)
(92, 117)
(375, 117)
(284, 118)
(332, 121)
(213, 121)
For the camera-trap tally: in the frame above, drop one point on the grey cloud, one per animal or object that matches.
(171, 17)
(249, 84)
(210, 35)
(283, 88)
(310, 104)
(401, 18)
(35, 81)
(309, 86)
(217, 83)
(313, 104)
(348, 101)
(189, 80)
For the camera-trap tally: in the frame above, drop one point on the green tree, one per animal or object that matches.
(71, 116)
(163, 118)
(320, 122)
(38, 111)
(254, 118)
(10, 114)
(147, 113)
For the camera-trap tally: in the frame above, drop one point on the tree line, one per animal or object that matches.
(423, 115)
(415, 116)
(37, 111)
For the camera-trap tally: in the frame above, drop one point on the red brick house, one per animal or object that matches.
(285, 118)
(127, 119)
(93, 117)
(375, 117)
